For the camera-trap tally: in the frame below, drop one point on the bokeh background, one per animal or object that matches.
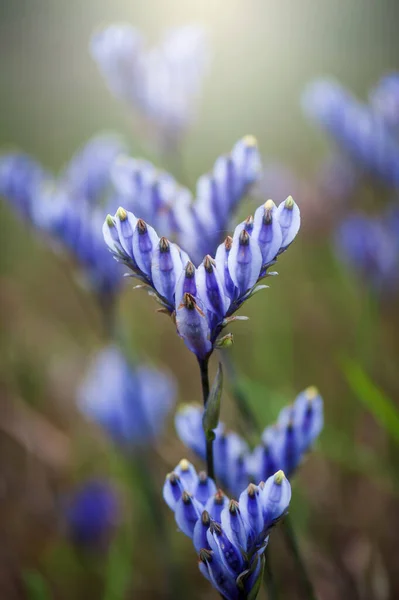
(317, 325)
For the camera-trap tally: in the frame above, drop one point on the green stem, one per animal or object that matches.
(204, 370)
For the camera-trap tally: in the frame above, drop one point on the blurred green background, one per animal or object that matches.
(317, 325)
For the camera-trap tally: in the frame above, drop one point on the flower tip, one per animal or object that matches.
(184, 465)
(208, 263)
(205, 518)
(289, 203)
(141, 226)
(164, 244)
(251, 490)
(121, 214)
(109, 221)
(228, 242)
(279, 477)
(205, 555)
(244, 238)
(250, 140)
(311, 392)
(269, 204)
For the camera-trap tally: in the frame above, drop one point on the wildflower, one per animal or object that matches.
(129, 403)
(369, 246)
(197, 225)
(161, 83)
(67, 209)
(357, 128)
(91, 513)
(220, 285)
(231, 541)
(282, 446)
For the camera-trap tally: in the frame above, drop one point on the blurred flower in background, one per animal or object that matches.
(92, 512)
(130, 402)
(70, 208)
(162, 83)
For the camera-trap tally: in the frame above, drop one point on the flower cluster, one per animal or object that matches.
(68, 208)
(370, 246)
(162, 83)
(203, 300)
(230, 537)
(282, 446)
(363, 132)
(197, 225)
(131, 403)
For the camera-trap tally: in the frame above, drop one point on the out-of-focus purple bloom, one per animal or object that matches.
(162, 83)
(203, 300)
(199, 224)
(20, 181)
(283, 445)
(68, 208)
(384, 100)
(91, 513)
(230, 542)
(130, 403)
(359, 131)
(370, 246)
(87, 175)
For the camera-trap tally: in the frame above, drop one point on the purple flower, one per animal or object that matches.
(230, 537)
(162, 83)
(203, 301)
(130, 403)
(357, 128)
(369, 246)
(91, 513)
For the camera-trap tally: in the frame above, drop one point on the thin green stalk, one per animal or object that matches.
(204, 370)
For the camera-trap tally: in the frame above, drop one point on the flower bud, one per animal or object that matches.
(210, 288)
(204, 488)
(172, 489)
(267, 231)
(251, 507)
(125, 223)
(166, 268)
(200, 539)
(188, 511)
(192, 326)
(216, 504)
(234, 525)
(244, 261)
(221, 259)
(290, 220)
(145, 239)
(275, 498)
(187, 282)
(215, 572)
(187, 474)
